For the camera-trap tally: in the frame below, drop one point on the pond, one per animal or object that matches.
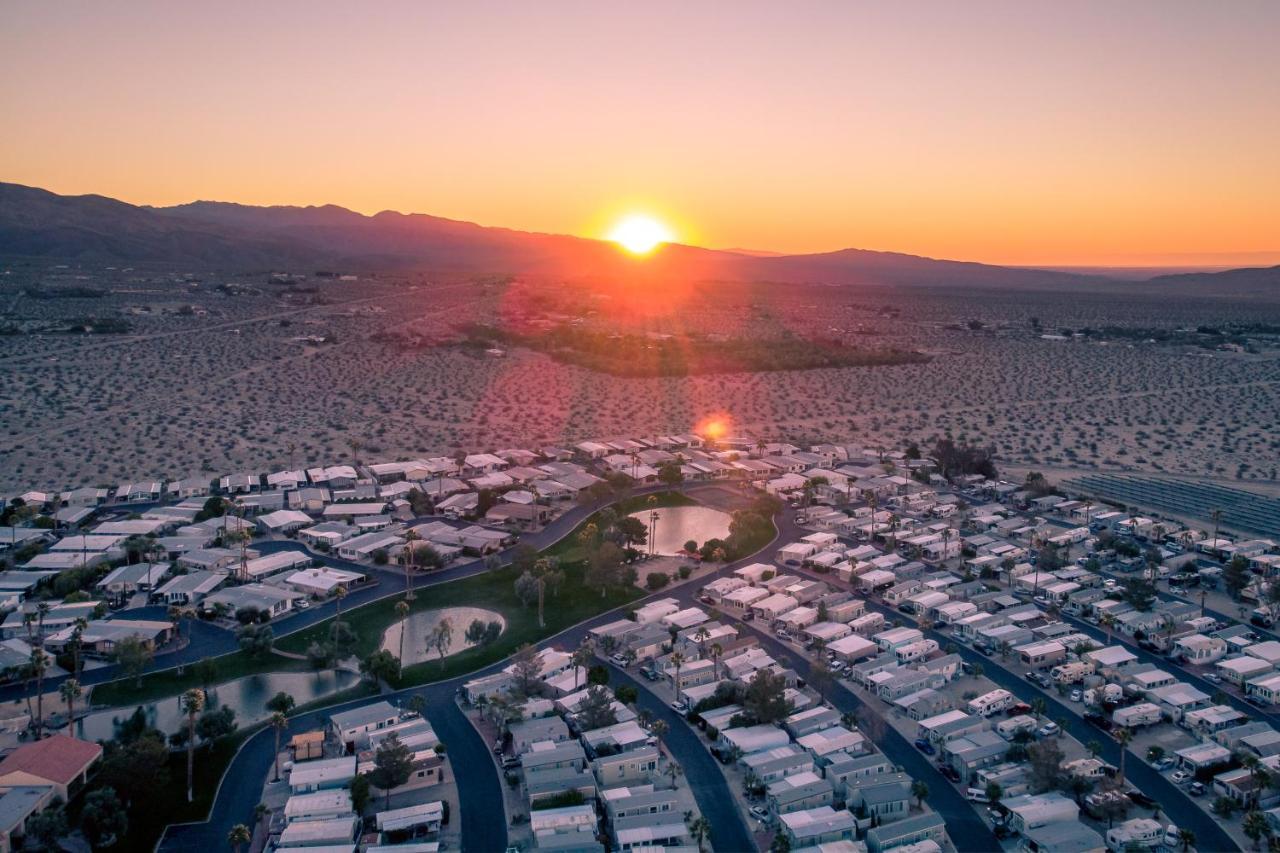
(678, 524)
(248, 696)
(422, 623)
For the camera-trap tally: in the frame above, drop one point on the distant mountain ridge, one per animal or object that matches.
(236, 237)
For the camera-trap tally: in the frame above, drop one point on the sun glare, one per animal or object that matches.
(640, 234)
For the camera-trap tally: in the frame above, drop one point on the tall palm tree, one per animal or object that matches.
(1123, 736)
(238, 837)
(192, 704)
(677, 661)
(279, 723)
(71, 691)
(410, 562)
(581, 658)
(716, 651)
(1216, 515)
(39, 665)
(540, 570)
(402, 612)
(338, 594)
(700, 831)
(1108, 622)
(1186, 838)
(77, 632)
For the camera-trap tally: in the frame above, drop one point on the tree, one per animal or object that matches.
(604, 568)
(596, 709)
(1045, 761)
(669, 473)
(411, 538)
(45, 828)
(216, 724)
(598, 674)
(677, 661)
(136, 769)
(256, 640)
(279, 724)
(70, 691)
(1255, 826)
(765, 700)
(659, 729)
(134, 656)
(527, 586)
(1186, 839)
(441, 638)
(919, 790)
(39, 664)
(392, 765)
(281, 703)
(103, 819)
(238, 837)
(1123, 736)
(994, 792)
(820, 677)
(360, 793)
(192, 704)
(672, 771)
(581, 658)
(626, 694)
(526, 672)
(381, 666)
(1235, 576)
(700, 831)
(1139, 592)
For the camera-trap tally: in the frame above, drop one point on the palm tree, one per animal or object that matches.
(70, 690)
(192, 704)
(1108, 622)
(1123, 736)
(700, 831)
(238, 837)
(279, 723)
(581, 658)
(410, 562)
(659, 728)
(402, 612)
(77, 632)
(1186, 838)
(1216, 515)
(1255, 826)
(540, 570)
(677, 661)
(716, 651)
(673, 772)
(919, 790)
(338, 594)
(260, 812)
(39, 663)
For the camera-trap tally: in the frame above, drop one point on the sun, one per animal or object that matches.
(640, 234)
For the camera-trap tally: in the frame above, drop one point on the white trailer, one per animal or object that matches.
(1142, 714)
(991, 703)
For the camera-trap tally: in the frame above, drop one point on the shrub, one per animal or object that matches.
(657, 580)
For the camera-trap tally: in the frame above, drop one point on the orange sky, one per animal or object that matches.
(1029, 133)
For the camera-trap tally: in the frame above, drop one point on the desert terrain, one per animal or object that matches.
(196, 373)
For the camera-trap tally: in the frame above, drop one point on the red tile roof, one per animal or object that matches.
(58, 758)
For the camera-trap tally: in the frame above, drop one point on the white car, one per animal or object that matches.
(1180, 777)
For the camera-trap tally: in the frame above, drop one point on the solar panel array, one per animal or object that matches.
(1241, 510)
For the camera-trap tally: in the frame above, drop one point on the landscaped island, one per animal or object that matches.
(684, 355)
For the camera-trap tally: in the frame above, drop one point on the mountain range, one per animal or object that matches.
(235, 237)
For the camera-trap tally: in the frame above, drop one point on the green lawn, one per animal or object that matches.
(492, 591)
(160, 685)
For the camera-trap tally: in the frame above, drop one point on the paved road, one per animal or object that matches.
(729, 832)
(479, 786)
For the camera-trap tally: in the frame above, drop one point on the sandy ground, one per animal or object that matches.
(245, 383)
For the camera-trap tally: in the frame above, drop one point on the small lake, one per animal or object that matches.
(248, 696)
(678, 524)
(421, 624)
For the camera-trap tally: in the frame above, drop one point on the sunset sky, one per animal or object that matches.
(1018, 132)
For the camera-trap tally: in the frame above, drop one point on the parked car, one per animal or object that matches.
(1213, 676)
(1140, 799)
(1048, 730)
(950, 772)
(1164, 763)
(1180, 777)
(1017, 708)
(983, 650)
(1196, 789)
(759, 813)
(620, 659)
(679, 706)
(924, 746)
(1076, 695)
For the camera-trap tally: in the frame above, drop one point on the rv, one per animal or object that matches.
(1008, 729)
(1070, 673)
(991, 703)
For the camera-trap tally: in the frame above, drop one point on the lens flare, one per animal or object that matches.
(640, 234)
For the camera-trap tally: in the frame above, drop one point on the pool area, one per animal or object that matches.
(421, 624)
(248, 696)
(678, 524)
